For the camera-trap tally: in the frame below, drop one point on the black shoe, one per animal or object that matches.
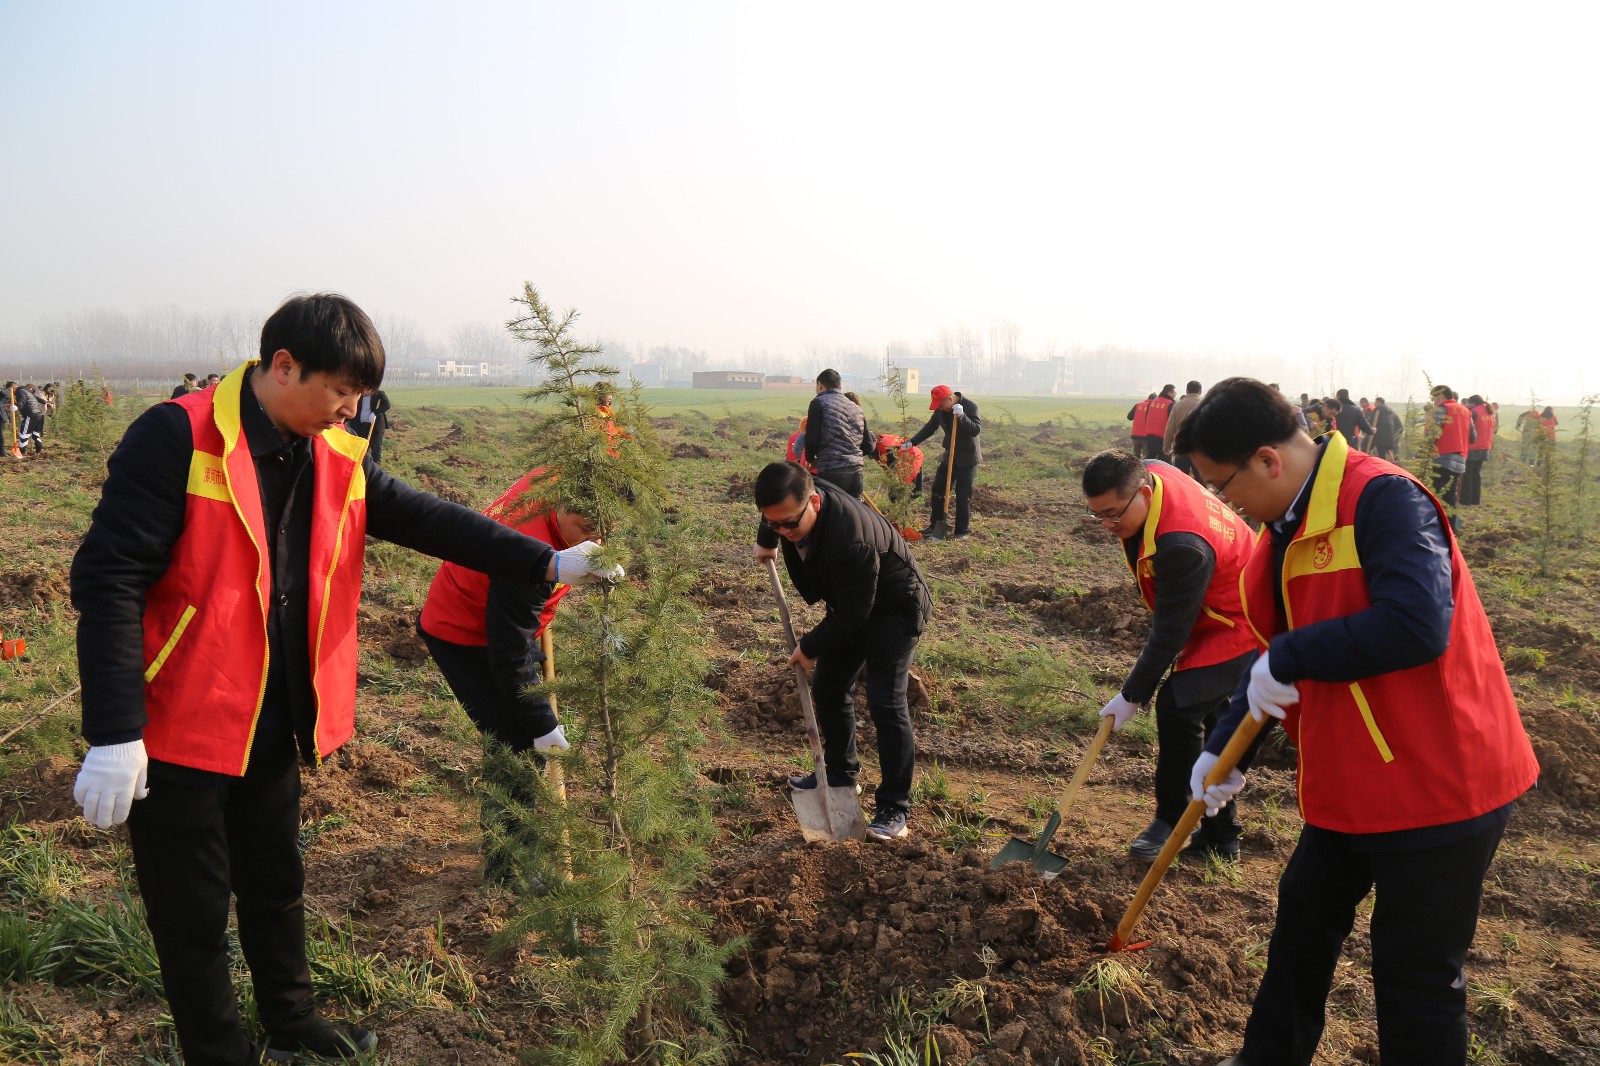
(1202, 847)
(807, 782)
(322, 1041)
(1148, 844)
(963, 535)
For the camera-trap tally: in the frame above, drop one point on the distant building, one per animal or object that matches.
(456, 370)
(728, 379)
(910, 379)
(650, 375)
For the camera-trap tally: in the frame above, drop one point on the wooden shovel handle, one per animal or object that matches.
(1082, 775)
(950, 472)
(801, 682)
(1242, 738)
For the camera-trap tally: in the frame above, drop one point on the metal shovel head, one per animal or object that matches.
(1047, 862)
(828, 813)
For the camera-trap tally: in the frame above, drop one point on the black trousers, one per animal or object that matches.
(1423, 921)
(192, 847)
(852, 479)
(963, 490)
(1181, 734)
(1154, 446)
(884, 648)
(1446, 485)
(1472, 480)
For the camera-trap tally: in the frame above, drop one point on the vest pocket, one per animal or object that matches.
(172, 642)
(1224, 619)
(1372, 723)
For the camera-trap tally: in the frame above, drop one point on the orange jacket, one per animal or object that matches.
(1437, 743)
(1179, 505)
(908, 463)
(205, 620)
(457, 598)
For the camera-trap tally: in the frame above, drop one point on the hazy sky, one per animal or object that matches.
(1396, 180)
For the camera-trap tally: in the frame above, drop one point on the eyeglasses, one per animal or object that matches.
(1097, 516)
(1220, 489)
(793, 523)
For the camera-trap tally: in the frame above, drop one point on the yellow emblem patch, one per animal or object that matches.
(1323, 555)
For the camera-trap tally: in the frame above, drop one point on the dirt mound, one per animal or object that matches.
(41, 793)
(684, 450)
(987, 501)
(1111, 616)
(1001, 957)
(443, 489)
(762, 698)
(394, 631)
(1568, 747)
(34, 588)
(740, 488)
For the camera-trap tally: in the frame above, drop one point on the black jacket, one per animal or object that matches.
(858, 564)
(968, 451)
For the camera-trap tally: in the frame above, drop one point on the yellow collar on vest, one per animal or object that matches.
(1322, 512)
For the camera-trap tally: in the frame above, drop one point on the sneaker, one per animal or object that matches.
(807, 782)
(322, 1041)
(1148, 844)
(963, 535)
(888, 826)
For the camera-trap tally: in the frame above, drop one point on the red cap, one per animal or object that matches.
(941, 393)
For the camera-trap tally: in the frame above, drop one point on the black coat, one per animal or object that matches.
(859, 565)
(968, 451)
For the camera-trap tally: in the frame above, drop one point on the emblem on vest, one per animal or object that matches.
(1324, 554)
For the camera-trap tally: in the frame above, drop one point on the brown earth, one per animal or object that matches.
(1002, 964)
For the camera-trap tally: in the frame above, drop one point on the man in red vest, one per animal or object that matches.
(483, 632)
(1186, 552)
(1155, 422)
(1139, 415)
(1379, 662)
(218, 587)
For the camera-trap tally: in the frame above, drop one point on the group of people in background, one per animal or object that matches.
(834, 442)
(27, 408)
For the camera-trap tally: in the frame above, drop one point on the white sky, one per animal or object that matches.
(1401, 181)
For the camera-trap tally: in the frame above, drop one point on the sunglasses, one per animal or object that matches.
(793, 523)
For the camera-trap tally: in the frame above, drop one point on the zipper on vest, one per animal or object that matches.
(266, 642)
(322, 616)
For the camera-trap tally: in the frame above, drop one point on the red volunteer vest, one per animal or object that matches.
(1437, 743)
(454, 610)
(1141, 418)
(1179, 505)
(1549, 425)
(205, 620)
(1155, 423)
(1483, 423)
(907, 463)
(1453, 436)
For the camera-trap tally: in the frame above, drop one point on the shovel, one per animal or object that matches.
(552, 767)
(1241, 739)
(1048, 862)
(825, 812)
(940, 528)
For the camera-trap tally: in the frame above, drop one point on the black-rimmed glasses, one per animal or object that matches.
(1218, 490)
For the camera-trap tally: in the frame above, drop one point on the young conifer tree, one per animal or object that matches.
(609, 869)
(1582, 467)
(892, 493)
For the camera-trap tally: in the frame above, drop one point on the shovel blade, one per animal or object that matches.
(1047, 863)
(828, 813)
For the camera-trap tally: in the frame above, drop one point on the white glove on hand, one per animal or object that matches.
(957, 409)
(555, 740)
(905, 446)
(1217, 796)
(1120, 710)
(113, 776)
(576, 564)
(1266, 694)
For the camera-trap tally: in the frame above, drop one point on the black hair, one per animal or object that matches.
(1474, 400)
(853, 398)
(1113, 470)
(1335, 403)
(326, 333)
(1169, 391)
(1193, 386)
(1236, 417)
(829, 379)
(1548, 412)
(1343, 395)
(778, 482)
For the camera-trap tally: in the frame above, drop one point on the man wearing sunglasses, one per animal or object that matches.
(1186, 551)
(840, 551)
(1380, 664)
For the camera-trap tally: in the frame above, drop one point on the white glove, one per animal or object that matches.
(1217, 796)
(1266, 694)
(763, 554)
(113, 776)
(555, 740)
(576, 564)
(905, 446)
(958, 410)
(1120, 711)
